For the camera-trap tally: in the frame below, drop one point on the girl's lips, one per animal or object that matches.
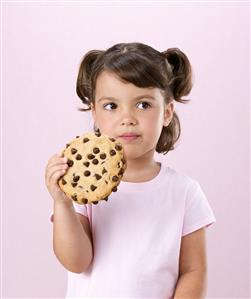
(129, 138)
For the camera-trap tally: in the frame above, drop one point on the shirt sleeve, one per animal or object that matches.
(81, 209)
(198, 212)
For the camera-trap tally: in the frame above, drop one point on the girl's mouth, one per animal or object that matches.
(129, 136)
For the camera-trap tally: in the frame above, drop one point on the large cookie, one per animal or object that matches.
(96, 166)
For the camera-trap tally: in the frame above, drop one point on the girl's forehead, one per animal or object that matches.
(109, 84)
(108, 77)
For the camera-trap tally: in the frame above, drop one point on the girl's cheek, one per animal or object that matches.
(105, 123)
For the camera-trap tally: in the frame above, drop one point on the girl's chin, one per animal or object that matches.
(132, 154)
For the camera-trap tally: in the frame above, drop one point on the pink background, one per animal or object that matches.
(42, 47)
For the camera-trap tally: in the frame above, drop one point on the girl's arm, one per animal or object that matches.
(192, 280)
(71, 238)
(71, 231)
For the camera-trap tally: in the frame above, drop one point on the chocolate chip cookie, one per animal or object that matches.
(96, 166)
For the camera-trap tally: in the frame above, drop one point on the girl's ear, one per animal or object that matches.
(168, 113)
(93, 112)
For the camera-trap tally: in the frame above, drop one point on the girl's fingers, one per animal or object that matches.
(53, 169)
(56, 167)
(60, 154)
(56, 157)
(53, 186)
(52, 180)
(56, 161)
(56, 175)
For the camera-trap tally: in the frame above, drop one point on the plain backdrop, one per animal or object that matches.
(42, 45)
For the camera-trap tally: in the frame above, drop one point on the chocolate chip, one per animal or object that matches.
(67, 145)
(118, 147)
(93, 188)
(74, 184)
(112, 139)
(76, 178)
(95, 161)
(90, 156)
(70, 162)
(106, 182)
(78, 157)
(98, 134)
(115, 178)
(123, 160)
(95, 202)
(114, 189)
(106, 198)
(96, 150)
(85, 140)
(121, 171)
(77, 136)
(112, 152)
(84, 200)
(98, 176)
(87, 173)
(73, 151)
(74, 197)
(104, 171)
(64, 182)
(103, 156)
(86, 164)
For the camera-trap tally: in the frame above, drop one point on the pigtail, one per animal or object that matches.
(180, 73)
(84, 84)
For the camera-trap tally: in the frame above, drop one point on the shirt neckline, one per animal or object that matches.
(143, 186)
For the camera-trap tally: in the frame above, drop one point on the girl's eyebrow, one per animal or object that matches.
(136, 98)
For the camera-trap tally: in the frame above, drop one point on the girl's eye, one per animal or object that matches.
(107, 105)
(145, 105)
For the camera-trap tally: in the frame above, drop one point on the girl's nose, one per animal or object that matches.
(128, 123)
(128, 119)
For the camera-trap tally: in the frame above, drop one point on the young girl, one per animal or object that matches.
(148, 240)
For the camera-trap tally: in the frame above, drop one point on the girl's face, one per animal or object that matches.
(125, 109)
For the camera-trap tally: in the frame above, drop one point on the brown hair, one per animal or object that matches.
(143, 66)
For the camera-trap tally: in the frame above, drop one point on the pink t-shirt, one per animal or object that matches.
(137, 236)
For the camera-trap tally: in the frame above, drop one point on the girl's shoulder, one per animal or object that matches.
(171, 173)
(178, 179)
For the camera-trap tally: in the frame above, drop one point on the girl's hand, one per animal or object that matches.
(56, 167)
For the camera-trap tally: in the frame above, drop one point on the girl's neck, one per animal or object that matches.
(141, 170)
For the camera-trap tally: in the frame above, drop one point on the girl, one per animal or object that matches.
(148, 240)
